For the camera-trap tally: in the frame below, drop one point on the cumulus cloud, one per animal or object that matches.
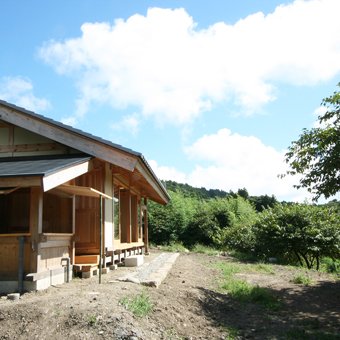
(168, 173)
(19, 91)
(173, 71)
(230, 161)
(128, 123)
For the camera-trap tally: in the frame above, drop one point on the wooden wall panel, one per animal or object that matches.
(134, 218)
(16, 141)
(9, 257)
(125, 216)
(57, 214)
(87, 216)
(51, 257)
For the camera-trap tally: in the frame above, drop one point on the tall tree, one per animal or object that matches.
(316, 154)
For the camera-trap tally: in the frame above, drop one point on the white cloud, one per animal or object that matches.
(163, 64)
(128, 124)
(229, 161)
(19, 91)
(168, 173)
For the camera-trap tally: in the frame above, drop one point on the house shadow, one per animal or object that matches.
(309, 313)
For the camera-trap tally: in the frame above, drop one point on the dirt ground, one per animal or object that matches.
(187, 305)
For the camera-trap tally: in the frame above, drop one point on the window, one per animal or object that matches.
(15, 212)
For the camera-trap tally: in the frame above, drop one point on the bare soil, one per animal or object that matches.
(187, 305)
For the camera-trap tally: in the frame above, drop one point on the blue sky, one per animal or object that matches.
(211, 92)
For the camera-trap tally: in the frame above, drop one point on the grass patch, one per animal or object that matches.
(228, 269)
(174, 247)
(243, 257)
(232, 332)
(301, 279)
(201, 249)
(140, 304)
(264, 268)
(301, 334)
(330, 266)
(243, 291)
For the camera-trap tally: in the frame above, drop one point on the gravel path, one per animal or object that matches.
(152, 273)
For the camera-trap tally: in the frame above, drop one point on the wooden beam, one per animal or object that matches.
(65, 175)
(8, 191)
(162, 198)
(20, 181)
(32, 147)
(81, 191)
(68, 137)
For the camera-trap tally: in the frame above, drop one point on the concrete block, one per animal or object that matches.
(86, 275)
(134, 261)
(105, 270)
(13, 296)
(113, 267)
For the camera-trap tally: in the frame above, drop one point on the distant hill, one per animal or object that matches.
(259, 202)
(188, 190)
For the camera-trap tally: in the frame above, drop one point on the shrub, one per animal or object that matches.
(300, 231)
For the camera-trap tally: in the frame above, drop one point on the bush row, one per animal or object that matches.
(293, 233)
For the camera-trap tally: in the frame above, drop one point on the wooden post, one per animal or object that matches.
(21, 264)
(101, 239)
(146, 228)
(73, 241)
(36, 211)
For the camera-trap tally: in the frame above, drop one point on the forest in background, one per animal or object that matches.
(259, 226)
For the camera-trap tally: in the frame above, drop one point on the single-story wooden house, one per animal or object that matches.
(68, 201)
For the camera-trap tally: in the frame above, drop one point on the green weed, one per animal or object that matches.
(302, 334)
(243, 291)
(233, 333)
(201, 249)
(174, 247)
(331, 266)
(92, 320)
(246, 292)
(264, 268)
(301, 279)
(244, 257)
(140, 304)
(228, 268)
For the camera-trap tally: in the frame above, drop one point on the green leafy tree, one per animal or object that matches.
(263, 202)
(239, 236)
(298, 231)
(316, 154)
(167, 223)
(214, 217)
(203, 227)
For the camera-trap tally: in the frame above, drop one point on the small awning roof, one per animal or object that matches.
(48, 171)
(38, 166)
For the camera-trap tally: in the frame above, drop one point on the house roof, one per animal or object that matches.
(38, 166)
(87, 143)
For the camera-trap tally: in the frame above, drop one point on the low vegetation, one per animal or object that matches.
(254, 228)
(242, 290)
(302, 279)
(139, 305)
